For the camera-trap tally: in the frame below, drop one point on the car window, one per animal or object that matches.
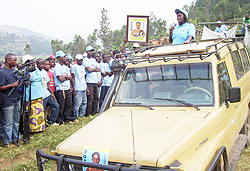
(245, 59)
(224, 81)
(191, 83)
(238, 67)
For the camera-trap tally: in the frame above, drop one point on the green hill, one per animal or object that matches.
(14, 39)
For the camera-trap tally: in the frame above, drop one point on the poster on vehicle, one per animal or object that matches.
(95, 156)
(137, 28)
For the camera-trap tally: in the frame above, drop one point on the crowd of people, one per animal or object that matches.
(71, 89)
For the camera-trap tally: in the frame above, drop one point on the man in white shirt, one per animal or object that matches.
(106, 74)
(79, 88)
(62, 79)
(91, 67)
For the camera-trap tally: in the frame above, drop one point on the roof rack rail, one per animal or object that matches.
(180, 57)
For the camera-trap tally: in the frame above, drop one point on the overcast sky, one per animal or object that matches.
(64, 18)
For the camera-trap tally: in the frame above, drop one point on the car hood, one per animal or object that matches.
(155, 132)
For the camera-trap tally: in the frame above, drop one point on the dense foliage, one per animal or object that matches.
(214, 10)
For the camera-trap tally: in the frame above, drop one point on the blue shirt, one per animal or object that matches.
(37, 90)
(91, 77)
(45, 83)
(105, 68)
(221, 29)
(61, 70)
(79, 72)
(182, 32)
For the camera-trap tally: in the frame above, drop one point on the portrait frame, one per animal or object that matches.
(137, 29)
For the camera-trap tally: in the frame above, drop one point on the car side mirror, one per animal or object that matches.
(234, 95)
(116, 66)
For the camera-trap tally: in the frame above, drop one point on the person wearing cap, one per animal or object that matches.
(10, 106)
(92, 68)
(136, 47)
(52, 60)
(221, 28)
(37, 119)
(183, 32)
(99, 52)
(63, 94)
(79, 88)
(68, 61)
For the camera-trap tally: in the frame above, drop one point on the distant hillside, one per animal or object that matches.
(14, 39)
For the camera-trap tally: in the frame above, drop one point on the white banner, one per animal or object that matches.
(209, 34)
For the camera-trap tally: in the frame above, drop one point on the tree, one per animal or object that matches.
(105, 32)
(56, 45)
(117, 38)
(27, 49)
(92, 40)
(78, 45)
(157, 27)
(214, 10)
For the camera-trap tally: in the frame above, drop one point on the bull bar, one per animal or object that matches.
(62, 159)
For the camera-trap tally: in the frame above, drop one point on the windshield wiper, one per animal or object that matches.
(136, 104)
(179, 101)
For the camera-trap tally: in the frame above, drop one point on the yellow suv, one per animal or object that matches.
(177, 107)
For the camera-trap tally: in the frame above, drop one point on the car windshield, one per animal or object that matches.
(167, 85)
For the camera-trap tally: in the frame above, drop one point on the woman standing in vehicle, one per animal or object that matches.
(183, 32)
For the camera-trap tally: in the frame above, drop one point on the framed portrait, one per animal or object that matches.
(137, 28)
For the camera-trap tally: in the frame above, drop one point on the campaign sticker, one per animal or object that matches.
(95, 156)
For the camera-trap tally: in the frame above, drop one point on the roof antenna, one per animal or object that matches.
(133, 139)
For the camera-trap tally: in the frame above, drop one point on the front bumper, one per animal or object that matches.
(63, 161)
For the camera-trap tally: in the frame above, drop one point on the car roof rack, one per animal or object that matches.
(139, 58)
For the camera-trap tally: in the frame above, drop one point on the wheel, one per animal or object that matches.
(199, 88)
(245, 129)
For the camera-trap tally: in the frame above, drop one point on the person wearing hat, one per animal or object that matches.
(79, 88)
(221, 28)
(10, 106)
(100, 52)
(52, 60)
(92, 68)
(68, 60)
(183, 32)
(63, 94)
(136, 47)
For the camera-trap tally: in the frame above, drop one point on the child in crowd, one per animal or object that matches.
(47, 66)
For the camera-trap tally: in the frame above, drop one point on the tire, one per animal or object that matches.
(245, 129)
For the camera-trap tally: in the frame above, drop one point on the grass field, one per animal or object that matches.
(23, 158)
